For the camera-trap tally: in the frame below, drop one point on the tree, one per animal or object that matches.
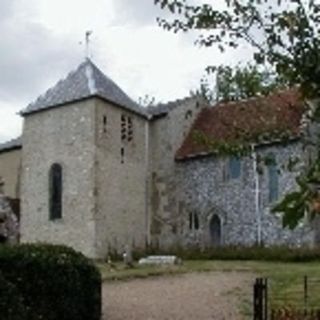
(241, 82)
(285, 36)
(147, 101)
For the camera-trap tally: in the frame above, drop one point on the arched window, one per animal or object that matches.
(215, 230)
(55, 192)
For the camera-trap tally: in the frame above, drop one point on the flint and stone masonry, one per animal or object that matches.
(124, 184)
(239, 206)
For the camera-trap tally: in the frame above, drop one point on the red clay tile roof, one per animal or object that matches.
(260, 119)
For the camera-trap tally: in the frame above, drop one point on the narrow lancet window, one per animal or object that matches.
(55, 192)
(273, 179)
(234, 167)
(105, 123)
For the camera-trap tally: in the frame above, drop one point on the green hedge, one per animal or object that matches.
(55, 282)
(273, 253)
(11, 302)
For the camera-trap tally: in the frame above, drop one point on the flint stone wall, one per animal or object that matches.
(205, 190)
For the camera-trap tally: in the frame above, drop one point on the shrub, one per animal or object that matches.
(291, 313)
(56, 282)
(11, 302)
(273, 253)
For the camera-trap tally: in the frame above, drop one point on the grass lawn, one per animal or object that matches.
(285, 279)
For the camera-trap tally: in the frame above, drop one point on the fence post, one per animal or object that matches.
(260, 299)
(265, 298)
(305, 298)
(256, 300)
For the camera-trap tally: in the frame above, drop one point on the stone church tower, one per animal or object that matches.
(97, 168)
(84, 149)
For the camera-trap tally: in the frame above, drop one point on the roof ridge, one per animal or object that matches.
(176, 101)
(164, 108)
(90, 78)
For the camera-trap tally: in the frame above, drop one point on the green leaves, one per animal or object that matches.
(244, 82)
(296, 205)
(50, 282)
(11, 302)
(286, 37)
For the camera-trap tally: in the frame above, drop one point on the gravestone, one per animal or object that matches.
(127, 256)
(160, 260)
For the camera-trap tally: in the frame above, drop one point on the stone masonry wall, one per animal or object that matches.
(120, 179)
(64, 135)
(166, 136)
(10, 166)
(205, 190)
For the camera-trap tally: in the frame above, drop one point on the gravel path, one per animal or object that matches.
(195, 296)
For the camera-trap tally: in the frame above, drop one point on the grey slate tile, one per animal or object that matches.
(86, 81)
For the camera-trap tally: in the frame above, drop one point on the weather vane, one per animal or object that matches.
(87, 43)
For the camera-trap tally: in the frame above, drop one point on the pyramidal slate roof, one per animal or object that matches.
(85, 82)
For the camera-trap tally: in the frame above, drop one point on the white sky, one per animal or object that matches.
(39, 45)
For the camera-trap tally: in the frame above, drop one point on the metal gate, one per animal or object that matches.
(301, 304)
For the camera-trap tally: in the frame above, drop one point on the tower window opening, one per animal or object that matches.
(126, 129)
(105, 121)
(55, 192)
(122, 155)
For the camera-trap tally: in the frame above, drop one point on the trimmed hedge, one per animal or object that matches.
(11, 302)
(55, 282)
(258, 253)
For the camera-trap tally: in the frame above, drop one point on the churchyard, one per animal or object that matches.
(203, 289)
(218, 286)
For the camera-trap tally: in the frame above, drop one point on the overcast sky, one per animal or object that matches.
(41, 42)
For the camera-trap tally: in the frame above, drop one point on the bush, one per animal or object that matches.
(291, 313)
(56, 282)
(259, 253)
(11, 302)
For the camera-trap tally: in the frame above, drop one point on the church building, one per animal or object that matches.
(96, 171)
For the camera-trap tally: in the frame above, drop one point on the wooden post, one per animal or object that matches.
(265, 298)
(260, 299)
(257, 299)
(305, 298)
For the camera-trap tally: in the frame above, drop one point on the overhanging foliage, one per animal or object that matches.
(285, 36)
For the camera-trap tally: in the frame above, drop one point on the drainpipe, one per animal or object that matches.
(256, 193)
(146, 200)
